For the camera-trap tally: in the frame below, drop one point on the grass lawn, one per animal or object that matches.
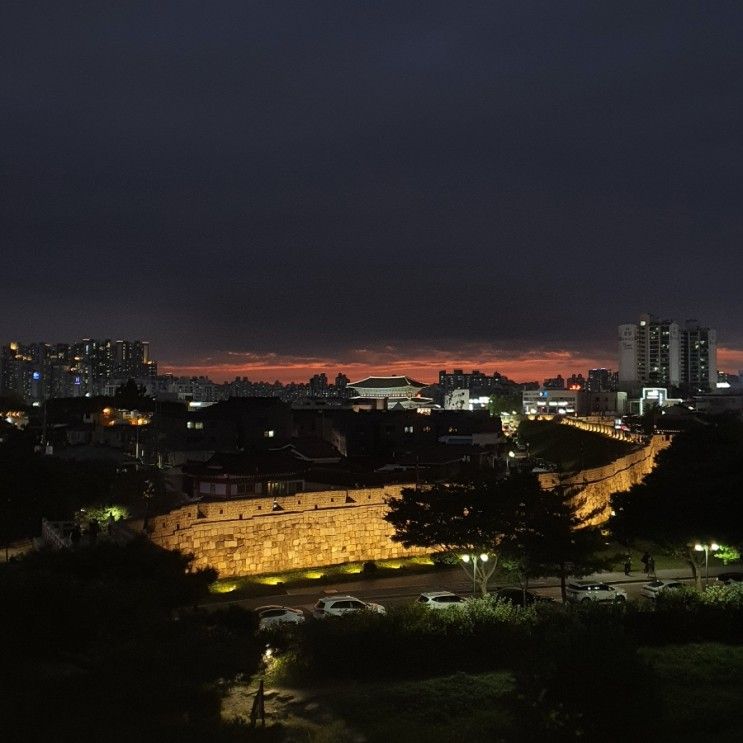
(702, 688)
(570, 448)
(462, 707)
(662, 562)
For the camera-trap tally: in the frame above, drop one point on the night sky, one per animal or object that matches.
(278, 188)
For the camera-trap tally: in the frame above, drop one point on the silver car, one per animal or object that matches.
(583, 591)
(440, 599)
(653, 589)
(337, 606)
(271, 615)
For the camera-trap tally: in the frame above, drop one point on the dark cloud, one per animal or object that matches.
(294, 177)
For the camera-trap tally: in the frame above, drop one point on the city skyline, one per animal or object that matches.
(272, 187)
(426, 366)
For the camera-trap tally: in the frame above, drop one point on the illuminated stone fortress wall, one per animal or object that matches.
(264, 535)
(294, 532)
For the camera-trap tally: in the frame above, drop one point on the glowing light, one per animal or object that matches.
(271, 580)
(222, 587)
(390, 564)
(314, 574)
(421, 560)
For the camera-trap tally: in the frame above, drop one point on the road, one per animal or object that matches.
(404, 589)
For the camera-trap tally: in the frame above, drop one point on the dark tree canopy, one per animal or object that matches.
(695, 493)
(130, 394)
(98, 652)
(537, 531)
(552, 539)
(476, 515)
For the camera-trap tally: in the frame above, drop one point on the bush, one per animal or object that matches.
(369, 567)
(688, 616)
(412, 641)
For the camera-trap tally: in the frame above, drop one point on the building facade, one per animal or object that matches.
(660, 353)
(649, 353)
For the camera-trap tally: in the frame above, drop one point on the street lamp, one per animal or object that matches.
(706, 548)
(473, 559)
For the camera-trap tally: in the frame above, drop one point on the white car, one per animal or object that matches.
(653, 589)
(272, 615)
(337, 606)
(440, 599)
(583, 591)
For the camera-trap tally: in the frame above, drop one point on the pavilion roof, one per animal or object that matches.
(386, 382)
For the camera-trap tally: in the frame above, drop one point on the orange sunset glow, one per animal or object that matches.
(359, 363)
(423, 365)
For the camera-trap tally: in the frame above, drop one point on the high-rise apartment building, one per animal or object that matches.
(698, 357)
(659, 353)
(131, 360)
(649, 353)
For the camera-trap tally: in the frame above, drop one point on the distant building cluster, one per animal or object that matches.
(245, 438)
(34, 372)
(661, 363)
(40, 371)
(656, 357)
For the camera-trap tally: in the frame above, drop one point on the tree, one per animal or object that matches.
(727, 554)
(553, 536)
(536, 531)
(459, 517)
(693, 494)
(504, 403)
(100, 642)
(130, 395)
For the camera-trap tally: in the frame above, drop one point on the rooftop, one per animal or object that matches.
(386, 382)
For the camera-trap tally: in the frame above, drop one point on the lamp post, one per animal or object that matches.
(706, 548)
(483, 557)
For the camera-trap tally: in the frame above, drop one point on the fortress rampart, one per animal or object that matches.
(595, 486)
(264, 535)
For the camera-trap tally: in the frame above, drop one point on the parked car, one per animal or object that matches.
(653, 589)
(730, 577)
(337, 606)
(273, 614)
(519, 597)
(582, 591)
(439, 599)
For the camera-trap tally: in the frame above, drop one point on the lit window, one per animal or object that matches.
(269, 434)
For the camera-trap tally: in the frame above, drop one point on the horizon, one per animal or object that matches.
(517, 369)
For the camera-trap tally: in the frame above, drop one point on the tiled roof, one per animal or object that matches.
(308, 447)
(386, 382)
(258, 464)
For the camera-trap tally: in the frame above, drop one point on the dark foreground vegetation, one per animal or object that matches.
(93, 649)
(550, 673)
(103, 643)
